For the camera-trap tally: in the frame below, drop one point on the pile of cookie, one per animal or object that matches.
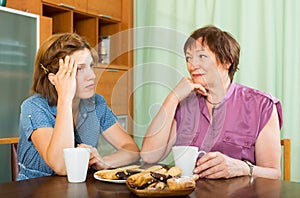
(158, 178)
(121, 173)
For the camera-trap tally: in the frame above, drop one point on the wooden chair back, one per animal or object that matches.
(13, 142)
(286, 144)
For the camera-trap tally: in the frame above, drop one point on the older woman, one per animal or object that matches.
(238, 127)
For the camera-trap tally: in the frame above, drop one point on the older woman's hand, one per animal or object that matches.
(186, 86)
(214, 165)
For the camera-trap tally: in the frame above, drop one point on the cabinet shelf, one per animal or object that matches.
(51, 10)
(86, 26)
(61, 18)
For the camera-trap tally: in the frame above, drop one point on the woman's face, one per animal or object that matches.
(203, 66)
(85, 74)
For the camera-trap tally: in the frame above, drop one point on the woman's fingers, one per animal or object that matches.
(214, 173)
(200, 89)
(74, 70)
(70, 65)
(61, 67)
(67, 67)
(65, 78)
(217, 165)
(96, 160)
(205, 162)
(184, 88)
(93, 151)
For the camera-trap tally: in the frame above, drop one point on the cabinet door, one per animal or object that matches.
(32, 6)
(58, 2)
(108, 8)
(45, 28)
(81, 5)
(112, 85)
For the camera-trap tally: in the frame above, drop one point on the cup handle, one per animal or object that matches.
(201, 152)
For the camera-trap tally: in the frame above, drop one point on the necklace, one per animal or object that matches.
(213, 103)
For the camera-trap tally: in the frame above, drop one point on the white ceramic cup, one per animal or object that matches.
(185, 158)
(77, 161)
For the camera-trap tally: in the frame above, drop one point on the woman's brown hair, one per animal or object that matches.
(222, 44)
(56, 47)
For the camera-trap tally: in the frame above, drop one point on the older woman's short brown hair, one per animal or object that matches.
(54, 48)
(222, 44)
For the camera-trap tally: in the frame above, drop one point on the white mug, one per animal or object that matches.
(77, 161)
(185, 158)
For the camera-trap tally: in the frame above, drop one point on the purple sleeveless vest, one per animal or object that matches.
(235, 125)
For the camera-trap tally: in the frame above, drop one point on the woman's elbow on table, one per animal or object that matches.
(59, 169)
(267, 172)
(135, 154)
(61, 172)
(277, 175)
(148, 157)
(133, 151)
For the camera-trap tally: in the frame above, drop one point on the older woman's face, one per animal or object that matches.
(203, 65)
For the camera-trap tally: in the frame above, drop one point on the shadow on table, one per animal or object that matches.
(237, 187)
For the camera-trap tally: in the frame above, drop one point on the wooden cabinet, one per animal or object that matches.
(79, 5)
(115, 84)
(102, 8)
(46, 27)
(93, 19)
(112, 84)
(62, 18)
(110, 9)
(66, 3)
(86, 26)
(32, 6)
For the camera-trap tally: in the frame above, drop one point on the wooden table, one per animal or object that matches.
(57, 186)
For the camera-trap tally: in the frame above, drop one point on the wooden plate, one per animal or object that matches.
(161, 193)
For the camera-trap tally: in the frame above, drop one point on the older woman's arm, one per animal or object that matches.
(161, 133)
(267, 153)
(268, 149)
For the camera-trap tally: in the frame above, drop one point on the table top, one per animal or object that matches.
(58, 186)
